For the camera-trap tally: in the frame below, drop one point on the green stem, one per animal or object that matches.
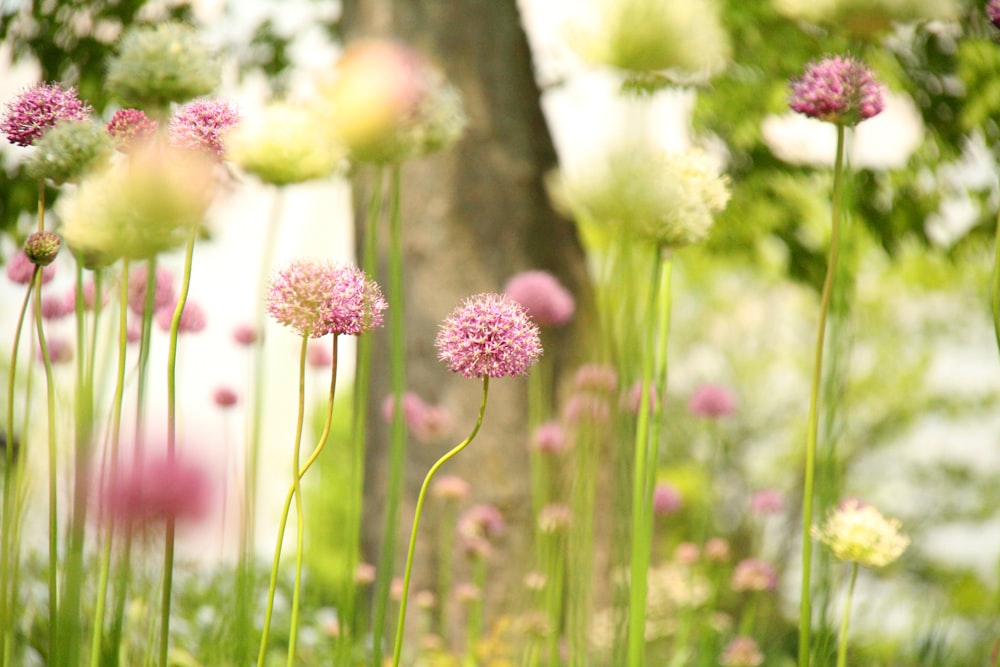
(168, 548)
(641, 515)
(842, 647)
(805, 609)
(105, 564)
(143, 364)
(8, 584)
(398, 646)
(362, 380)
(995, 292)
(55, 645)
(397, 372)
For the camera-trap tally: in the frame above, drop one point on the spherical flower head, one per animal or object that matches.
(741, 652)
(55, 307)
(651, 36)
(245, 335)
(318, 356)
(484, 521)
(317, 299)
(666, 499)
(412, 405)
(156, 490)
(859, 533)
(717, 550)
(687, 553)
(42, 247)
(435, 423)
(489, 335)
(192, 318)
(838, 90)
(225, 397)
(543, 296)
(20, 269)
(387, 103)
(201, 126)
(160, 64)
(163, 289)
(549, 438)
(141, 206)
(596, 378)
(711, 401)
(993, 12)
(69, 151)
(754, 574)
(450, 488)
(285, 143)
(129, 127)
(767, 501)
(35, 111)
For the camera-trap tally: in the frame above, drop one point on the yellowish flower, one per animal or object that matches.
(859, 533)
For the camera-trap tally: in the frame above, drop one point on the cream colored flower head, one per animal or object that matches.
(646, 36)
(867, 18)
(669, 199)
(285, 143)
(859, 533)
(142, 205)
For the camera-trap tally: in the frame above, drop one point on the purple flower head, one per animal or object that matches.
(20, 269)
(741, 652)
(319, 356)
(192, 318)
(224, 397)
(489, 335)
(156, 490)
(754, 574)
(549, 438)
(666, 499)
(89, 296)
(36, 110)
(993, 11)
(130, 127)
(317, 299)
(245, 334)
(546, 300)
(60, 351)
(163, 289)
(413, 408)
(711, 401)
(767, 501)
(202, 124)
(451, 488)
(485, 521)
(838, 90)
(55, 307)
(598, 378)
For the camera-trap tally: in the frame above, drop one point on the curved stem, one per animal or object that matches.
(8, 585)
(168, 549)
(50, 395)
(398, 647)
(842, 645)
(805, 608)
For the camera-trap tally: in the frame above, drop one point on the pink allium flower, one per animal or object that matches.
(489, 335)
(435, 423)
(837, 90)
(55, 307)
(133, 332)
(589, 408)
(767, 501)
(163, 291)
(36, 110)
(543, 296)
(482, 521)
(192, 318)
(20, 269)
(666, 499)
(413, 408)
(549, 438)
(450, 488)
(631, 400)
(202, 124)
(317, 299)
(754, 574)
(130, 127)
(741, 652)
(318, 355)
(89, 297)
(711, 401)
(156, 490)
(599, 378)
(60, 351)
(993, 11)
(687, 553)
(244, 334)
(717, 550)
(224, 397)
(467, 592)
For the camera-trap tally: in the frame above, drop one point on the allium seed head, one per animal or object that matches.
(838, 90)
(69, 151)
(36, 110)
(488, 335)
(546, 300)
(42, 247)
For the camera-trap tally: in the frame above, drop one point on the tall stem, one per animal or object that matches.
(995, 285)
(297, 493)
(842, 647)
(641, 520)
(397, 440)
(398, 647)
(805, 608)
(168, 547)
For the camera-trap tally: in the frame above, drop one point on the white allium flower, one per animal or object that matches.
(859, 533)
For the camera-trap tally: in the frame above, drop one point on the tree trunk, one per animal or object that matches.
(472, 217)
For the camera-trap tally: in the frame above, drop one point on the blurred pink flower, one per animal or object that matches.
(599, 378)
(319, 355)
(711, 401)
(549, 438)
(155, 490)
(754, 574)
(20, 269)
(60, 350)
(450, 488)
(244, 334)
(224, 397)
(163, 289)
(767, 501)
(666, 499)
(546, 300)
(630, 401)
(55, 307)
(741, 652)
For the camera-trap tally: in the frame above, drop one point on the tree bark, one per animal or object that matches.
(472, 217)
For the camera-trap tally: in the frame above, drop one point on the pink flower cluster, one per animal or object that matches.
(36, 110)
(202, 124)
(489, 335)
(316, 299)
(548, 303)
(837, 90)
(131, 127)
(155, 490)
